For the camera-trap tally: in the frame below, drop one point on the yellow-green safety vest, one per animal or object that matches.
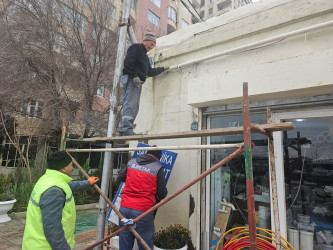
(34, 237)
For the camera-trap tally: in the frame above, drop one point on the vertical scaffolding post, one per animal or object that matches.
(107, 164)
(248, 168)
(273, 184)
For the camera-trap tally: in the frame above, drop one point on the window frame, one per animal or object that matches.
(153, 18)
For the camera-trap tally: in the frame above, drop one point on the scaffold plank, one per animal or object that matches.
(199, 133)
(185, 147)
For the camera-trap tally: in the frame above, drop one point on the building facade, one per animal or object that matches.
(283, 49)
(211, 8)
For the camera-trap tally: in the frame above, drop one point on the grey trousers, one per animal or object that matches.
(132, 94)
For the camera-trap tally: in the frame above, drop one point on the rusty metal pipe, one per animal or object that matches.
(274, 184)
(260, 130)
(165, 200)
(248, 169)
(110, 203)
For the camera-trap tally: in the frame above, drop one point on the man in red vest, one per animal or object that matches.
(144, 183)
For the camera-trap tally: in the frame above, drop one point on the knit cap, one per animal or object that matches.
(156, 153)
(58, 160)
(149, 36)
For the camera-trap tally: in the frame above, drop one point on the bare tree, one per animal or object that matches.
(59, 54)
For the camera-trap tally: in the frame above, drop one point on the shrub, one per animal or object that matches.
(173, 237)
(6, 197)
(6, 187)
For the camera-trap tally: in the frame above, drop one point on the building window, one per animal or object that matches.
(224, 5)
(60, 44)
(101, 91)
(210, 11)
(172, 14)
(184, 23)
(32, 108)
(157, 3)
(85, 1)
(153, 18)
(202, 14)
(211, 1)
(185, 9)
(108, 7)
(133, 4)
(100, 33)
(229, 183)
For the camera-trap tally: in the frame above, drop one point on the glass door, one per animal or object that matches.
(228, 183)
(306, 154)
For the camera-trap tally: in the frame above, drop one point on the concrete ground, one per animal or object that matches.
(11, 233)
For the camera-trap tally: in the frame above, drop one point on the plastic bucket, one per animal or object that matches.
(306, 240)
(327, 247)
(264, 217)
(304, 219)
(293, 238)
(115, 242)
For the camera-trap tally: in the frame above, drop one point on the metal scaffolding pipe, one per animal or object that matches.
(165, 200)
(108, 164)
(260, 130)
(248, 169)
(108, 201)
(187, 147)
(274, 184)
(200, 133)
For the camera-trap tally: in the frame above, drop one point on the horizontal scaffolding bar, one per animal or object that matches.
(199, 133)
(187, 147)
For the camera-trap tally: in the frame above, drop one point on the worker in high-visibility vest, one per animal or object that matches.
(51, 214)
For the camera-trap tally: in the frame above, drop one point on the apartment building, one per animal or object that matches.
(211, 8)
(163, 17)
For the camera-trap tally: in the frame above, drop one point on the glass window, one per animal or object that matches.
(33, 108)
(133, 4)
(85, 1)
(101, 91)
(172, 14)
(153, 18)
(308, 174)
(210, 11)
(100, 33)
(229, 182)
(184, 23)
(106, 6)
(185, 9)
(157, 3)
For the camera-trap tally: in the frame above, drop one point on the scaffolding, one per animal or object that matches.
(246, 148)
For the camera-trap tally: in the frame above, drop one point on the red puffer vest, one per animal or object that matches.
(140, 190)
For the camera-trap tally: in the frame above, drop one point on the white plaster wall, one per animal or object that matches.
(294, 67)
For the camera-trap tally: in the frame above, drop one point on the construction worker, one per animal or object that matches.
(51, 213)
(144, 183)
(136, 69)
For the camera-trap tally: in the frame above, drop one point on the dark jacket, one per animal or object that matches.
(137, 63)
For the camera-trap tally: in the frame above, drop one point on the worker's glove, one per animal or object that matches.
(93, 180)
(166, 69)
(137, 80)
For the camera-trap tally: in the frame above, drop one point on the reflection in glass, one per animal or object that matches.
(229, 182)
(308, 168)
